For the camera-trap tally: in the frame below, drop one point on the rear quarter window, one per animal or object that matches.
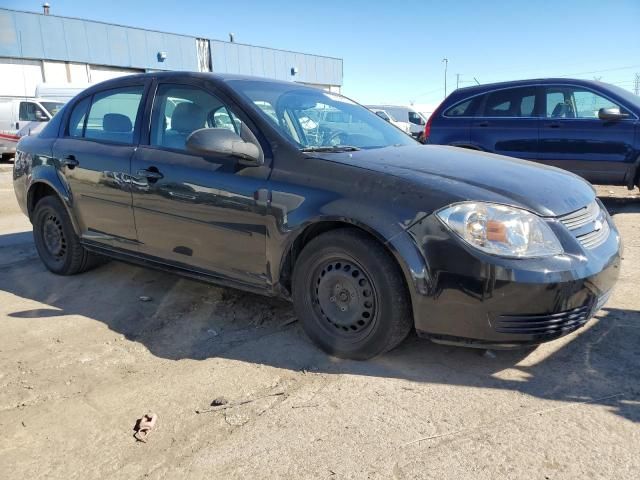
(466, 108)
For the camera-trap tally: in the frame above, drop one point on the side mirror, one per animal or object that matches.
(611, 114)
(222, 141)
(41, 117)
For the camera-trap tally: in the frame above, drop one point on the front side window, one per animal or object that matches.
(415, 118)
(31, 112)
(513, 102)
(312, 118)
(113, 114)
(180, 110)
(575, 102)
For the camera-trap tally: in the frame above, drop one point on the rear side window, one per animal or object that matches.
(513, 102)
(113, 114)
(464, 109)
(77, 117)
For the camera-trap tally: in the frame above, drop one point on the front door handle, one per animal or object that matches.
(151, 174)
(553, 125)
(69, 161)
(483, 124)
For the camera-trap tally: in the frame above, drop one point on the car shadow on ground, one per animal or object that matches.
(184, 319)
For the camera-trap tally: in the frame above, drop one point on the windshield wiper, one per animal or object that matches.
(330, 148)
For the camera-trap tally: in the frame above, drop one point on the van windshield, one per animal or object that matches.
(317, 120)
(52, 107)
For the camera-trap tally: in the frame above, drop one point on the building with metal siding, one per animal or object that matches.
(37, 48)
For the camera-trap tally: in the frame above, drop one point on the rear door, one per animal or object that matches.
(574, 138)
(202, 213)
(508, 122)
(94, 154)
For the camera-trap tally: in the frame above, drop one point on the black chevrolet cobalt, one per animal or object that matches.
(290, 191)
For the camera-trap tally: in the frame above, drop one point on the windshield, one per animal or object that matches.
(52, 107)
(634, 100)
(314, 119)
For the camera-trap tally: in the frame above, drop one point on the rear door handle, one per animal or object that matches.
(69, 161)
(150, 174)
(483, 124)
(553, 125)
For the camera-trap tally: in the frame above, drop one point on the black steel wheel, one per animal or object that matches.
(350, 296)
(57, 244)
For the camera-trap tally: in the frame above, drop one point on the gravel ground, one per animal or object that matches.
(81, 358)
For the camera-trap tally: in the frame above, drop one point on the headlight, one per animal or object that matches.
(501, 230)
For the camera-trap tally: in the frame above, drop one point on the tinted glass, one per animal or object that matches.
(77, 117)
(314, 118)
(179, 110)
(464, 109)
(113, 115)
(514, 102)
(27, 112)
(415, 118)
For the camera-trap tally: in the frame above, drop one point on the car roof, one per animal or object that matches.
(534, 81)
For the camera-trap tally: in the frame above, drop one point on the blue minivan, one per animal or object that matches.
(589, 128)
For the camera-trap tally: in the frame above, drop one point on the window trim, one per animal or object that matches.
(542, 86)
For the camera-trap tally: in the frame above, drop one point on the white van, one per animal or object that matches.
(406, 119)
(61, 92)
(23, 116)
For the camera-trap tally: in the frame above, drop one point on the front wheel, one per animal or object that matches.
(350, 295)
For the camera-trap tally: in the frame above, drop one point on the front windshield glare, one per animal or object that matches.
(52, 107)
(312, 118)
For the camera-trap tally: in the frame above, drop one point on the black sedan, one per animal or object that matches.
(282, 189)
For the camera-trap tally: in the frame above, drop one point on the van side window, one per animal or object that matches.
(415, 118)
(77, 117)
(29, 112)
(113, 114)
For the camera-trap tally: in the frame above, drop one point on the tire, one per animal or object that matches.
(350, 295)
(57, 244)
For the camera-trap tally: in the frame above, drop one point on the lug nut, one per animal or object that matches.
(333, 299)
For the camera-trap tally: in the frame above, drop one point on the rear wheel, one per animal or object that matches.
(350, 296)
(57, 244)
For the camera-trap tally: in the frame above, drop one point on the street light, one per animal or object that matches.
(446, 64)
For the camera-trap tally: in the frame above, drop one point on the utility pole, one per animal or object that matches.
(446, 64)
(457, 81)
(636, 86)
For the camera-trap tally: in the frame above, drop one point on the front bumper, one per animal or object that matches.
(479, 300)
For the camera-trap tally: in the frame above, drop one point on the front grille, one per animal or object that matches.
(551, 324)
(589, 225)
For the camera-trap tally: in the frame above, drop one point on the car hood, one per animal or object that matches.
(451, 174)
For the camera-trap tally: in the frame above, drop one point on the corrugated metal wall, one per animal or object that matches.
(36, 36)
(268, 62)
(31, 35)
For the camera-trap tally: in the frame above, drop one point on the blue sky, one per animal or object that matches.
(393, 50)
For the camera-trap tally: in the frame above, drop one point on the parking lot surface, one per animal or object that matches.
(81, 358)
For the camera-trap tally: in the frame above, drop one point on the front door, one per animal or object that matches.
(507, 123)
(95, 157)
(574, 138)
(202, 213)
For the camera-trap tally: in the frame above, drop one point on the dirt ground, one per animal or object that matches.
(82, 358)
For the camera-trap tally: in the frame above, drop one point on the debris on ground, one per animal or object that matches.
(144, 426)
(224, 406)
(219, 401)
(489, 354)
(212, 332)
(144, 298)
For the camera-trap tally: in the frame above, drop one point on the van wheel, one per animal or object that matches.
(350, 295)
(57, 244)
